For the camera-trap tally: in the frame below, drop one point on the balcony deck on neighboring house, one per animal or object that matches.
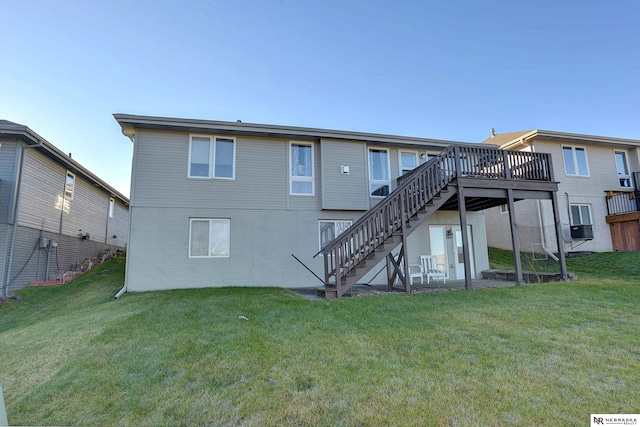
(462, 178)
(623, 216)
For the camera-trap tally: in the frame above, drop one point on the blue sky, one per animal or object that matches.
(436, 69)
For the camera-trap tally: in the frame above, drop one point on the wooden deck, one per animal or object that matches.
(479, 177)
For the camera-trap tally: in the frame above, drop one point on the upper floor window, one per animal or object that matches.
(69, 186)
(408, 161)
(624, 178)
(581, 214)
(301, 170)
(575, 161)
(211, 157)
(111, 207)
(379, 174)
(209, 237)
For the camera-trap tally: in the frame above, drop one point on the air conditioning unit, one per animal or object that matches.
(583, 232)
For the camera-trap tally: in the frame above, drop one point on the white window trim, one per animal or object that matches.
(400, 153)
(375, 181)
(627, 177)
(311, 179)
(73, 186)
(112, 207)
(580, 205)
(212, 157)
(227, 220)
(320, 221)
(575, 161)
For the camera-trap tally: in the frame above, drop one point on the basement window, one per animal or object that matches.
(209, 237)
(581, 214)
(330, 229)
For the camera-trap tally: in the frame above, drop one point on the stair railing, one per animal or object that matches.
(360, 240)
(414, 191)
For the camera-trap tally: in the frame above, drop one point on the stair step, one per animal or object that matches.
(328, 292)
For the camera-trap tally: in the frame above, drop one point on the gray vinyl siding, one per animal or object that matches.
(41, 195)
(41, 192)
(88, 212)
(261, 244)
(261, 177)
(5, 239)
(267, 224)
(118, 225)
(340, 191)
(30, 261)
(591, 190)
(8, 153)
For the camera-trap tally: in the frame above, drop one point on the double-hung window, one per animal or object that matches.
(69, 186)
(408, 161)
(624, 178)
(379, 173)
(330, 229)
(575, 161)
(212, 157)
(301, 169)
(209, 237)
(581, 214)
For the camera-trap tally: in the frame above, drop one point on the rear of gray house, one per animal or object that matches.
(54, 213)
(228, 203)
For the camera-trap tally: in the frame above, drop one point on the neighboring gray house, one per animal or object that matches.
(54, 213)
(230, 204)
(598, 194)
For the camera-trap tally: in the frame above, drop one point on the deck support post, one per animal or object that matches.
(465, 237)
(559, 239)
(515, 238)
(394, 271)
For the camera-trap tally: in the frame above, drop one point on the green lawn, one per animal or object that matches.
(548, 354)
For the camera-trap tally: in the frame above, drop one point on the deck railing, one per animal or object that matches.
(416, 188)
(623, 202)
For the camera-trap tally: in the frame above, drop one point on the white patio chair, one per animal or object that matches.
(415, 272)
(432, 269)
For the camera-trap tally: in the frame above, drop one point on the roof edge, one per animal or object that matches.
(25, 133)
(130, 122)
(523, 137)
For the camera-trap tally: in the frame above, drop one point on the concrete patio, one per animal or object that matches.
(434, 286)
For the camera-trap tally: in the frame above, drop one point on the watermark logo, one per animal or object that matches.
(598, 420)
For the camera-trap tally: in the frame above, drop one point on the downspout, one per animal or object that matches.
(16, 211)
(134, 139)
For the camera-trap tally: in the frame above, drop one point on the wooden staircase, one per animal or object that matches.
(419, 194)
